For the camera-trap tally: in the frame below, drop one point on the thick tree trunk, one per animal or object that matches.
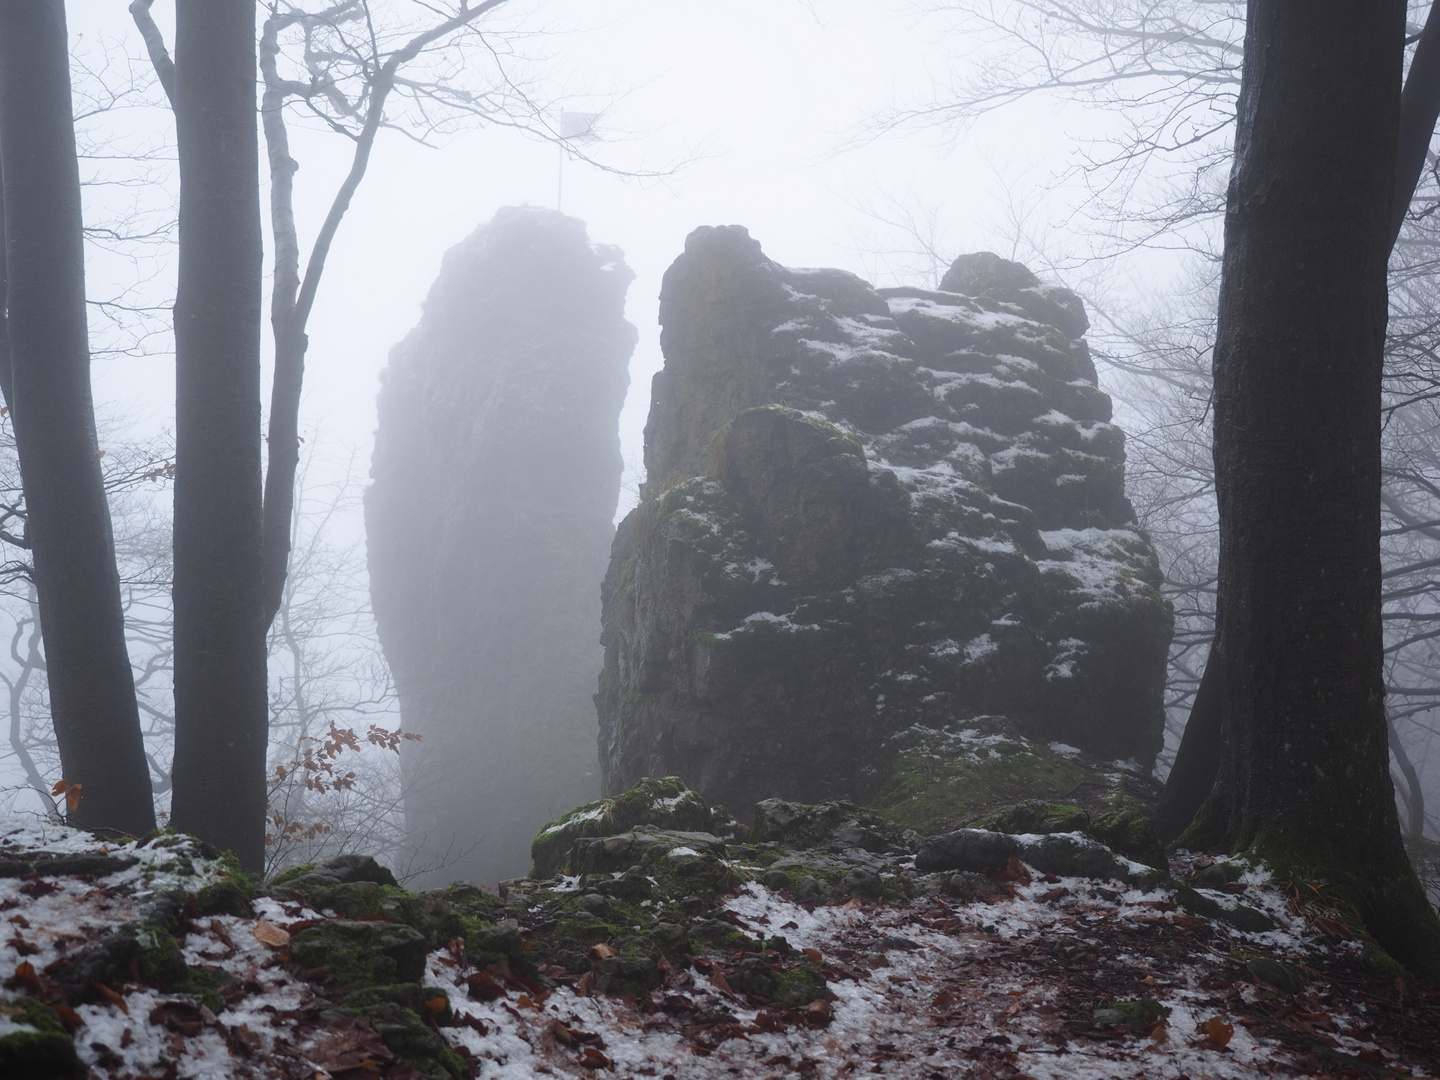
(92, 688)
(1419, 107)
(1197, 762)
(1305, 782)
(220, 689)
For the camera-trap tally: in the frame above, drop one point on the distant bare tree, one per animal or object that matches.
(334, 778)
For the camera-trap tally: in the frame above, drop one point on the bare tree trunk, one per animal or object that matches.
(293, 297)
(220, 687)
(1419, 108)
(1197, 761)
(92, 689)
(1305, 780)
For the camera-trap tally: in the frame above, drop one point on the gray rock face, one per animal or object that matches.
(867, 511)
(496, 473)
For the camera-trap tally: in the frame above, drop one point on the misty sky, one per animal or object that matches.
(765, 95)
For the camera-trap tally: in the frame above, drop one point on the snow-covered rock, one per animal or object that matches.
(869, 512)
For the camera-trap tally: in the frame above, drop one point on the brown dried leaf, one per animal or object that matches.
(601, 951)
(594, 1059)
(267, 933)
(69, 1017)
(482, 987)
(23, 947)
(118, 1000)
(1217, 1032)
(180, 1017)
(818, 1013)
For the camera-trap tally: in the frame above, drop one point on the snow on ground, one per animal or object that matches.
(937, 989)
(929, 988)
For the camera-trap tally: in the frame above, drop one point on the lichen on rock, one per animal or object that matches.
(872, 515)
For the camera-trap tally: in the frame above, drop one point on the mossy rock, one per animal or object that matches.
(470, 901)
(418, 999)
(408, 1037)
(356, 955)
(137, 946)
(939, 779)
(1138, 1015)
(1233, 913)
(979, 850)
(500, 943)
(834, 824)
(791, 988)
(646, 846)
(665, 803)
(632, 975)
(34, 1043)
(233, 895)
(799, 986)
(432, 914)
(331, 872)
(205, 983)
(1126, 832)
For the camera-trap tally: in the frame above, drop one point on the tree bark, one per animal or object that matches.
(92, 687)
(220, 687)
(1419, 109)
(1197, 761)
(1414, 793)
(1305, 782)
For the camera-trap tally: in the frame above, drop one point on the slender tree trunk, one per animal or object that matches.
(293, 297)
(1305, 780)
(92, 688)
(220, 687)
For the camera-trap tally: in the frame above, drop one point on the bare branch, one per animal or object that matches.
(155, 46)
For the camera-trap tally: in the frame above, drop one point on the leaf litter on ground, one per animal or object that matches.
(1057, 977)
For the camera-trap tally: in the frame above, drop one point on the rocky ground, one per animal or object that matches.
(662, 939)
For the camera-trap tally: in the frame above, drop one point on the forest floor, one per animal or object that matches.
(1047, 977)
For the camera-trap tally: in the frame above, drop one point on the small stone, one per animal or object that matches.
(775, 880)
(1279, 975)
(863, 884)
(809, 889)
(1107, 1018)
(755, 977)
(892, 942)
(965, 886)
(1216, 875)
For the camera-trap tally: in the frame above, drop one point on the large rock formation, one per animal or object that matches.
(497, 469)
(873, 514)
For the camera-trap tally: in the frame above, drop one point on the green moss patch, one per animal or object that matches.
(353, 955)
(665, 803)
(940, 779)
(34, 1044)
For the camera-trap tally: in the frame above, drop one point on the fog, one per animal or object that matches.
(761, 113)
